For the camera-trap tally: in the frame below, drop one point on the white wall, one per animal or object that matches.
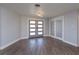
(10, 27)
(24, 27)
(70, 27)
(78, 29)
(0, 27)
(46, 27)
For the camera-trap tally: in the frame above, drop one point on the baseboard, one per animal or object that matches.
(46, 36)
(70, 43)
(24, 38)
(5, 46)
(56, 37)
(64, 41)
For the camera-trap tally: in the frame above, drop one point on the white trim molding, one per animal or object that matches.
(70, 43)
(24, 37)
(56, 37)
(5, 46)
(65, 41)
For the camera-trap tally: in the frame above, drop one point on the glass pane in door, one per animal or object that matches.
(39, 25)
(32, 33)
(32, 25)
(32, 29)
(40, 22)
(40, 33)
(40, 29)
(32, 22)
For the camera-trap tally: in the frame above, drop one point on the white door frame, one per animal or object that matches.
(36, 20)
(54, 20)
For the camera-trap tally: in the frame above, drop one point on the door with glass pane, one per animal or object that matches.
(36, 28)
(40, 28)
(32, 28)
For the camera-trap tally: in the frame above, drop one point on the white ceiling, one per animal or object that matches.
(50, 9)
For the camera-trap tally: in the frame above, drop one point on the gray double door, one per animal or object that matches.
(35, 28)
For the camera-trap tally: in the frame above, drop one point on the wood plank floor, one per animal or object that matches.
(40, 46)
